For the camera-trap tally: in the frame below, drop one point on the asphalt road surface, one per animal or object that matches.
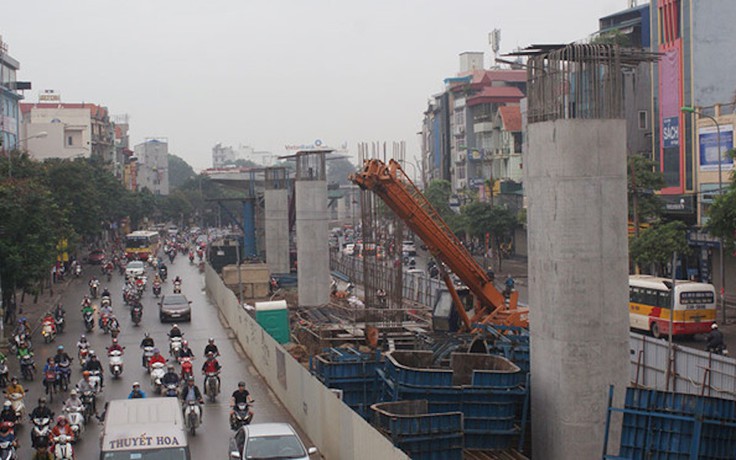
(211, 440)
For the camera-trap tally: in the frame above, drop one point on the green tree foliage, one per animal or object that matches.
(655, 245)
(438, 194)
(722, 217)
(243, 163)
(643, 180)
(479, 218)
(179, 171)
(339, 169)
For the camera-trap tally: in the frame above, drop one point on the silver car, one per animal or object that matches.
(135, 268)
(268, 441)
(174, 307)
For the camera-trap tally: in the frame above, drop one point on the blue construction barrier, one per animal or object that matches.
(660, 425)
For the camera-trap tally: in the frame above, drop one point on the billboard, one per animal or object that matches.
(708, 148)
(671, 158)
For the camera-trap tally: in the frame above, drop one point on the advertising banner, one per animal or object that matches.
(708, 148)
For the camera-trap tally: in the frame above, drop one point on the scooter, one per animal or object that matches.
(90, 404)
(242, 415)
(76, 421)
(147, 353)
(174, 346)
(59, 318)
(48, 330)
(77, 271)
(156, 288)
(50, 380)
(17, 404)
(177, 287)
(212, 385)
(41, 429)
(106, 301)
(27, 367)
(3, 373)
(89, 321)
(192, 413)
(7, 450)
(172, 390)
(136, 314)
(65, 373)
(157, 373)
(116, 363)
(718, 350)
(83, 354)
(63, 447)
(94, 289)
(186, 368)
(94, 380)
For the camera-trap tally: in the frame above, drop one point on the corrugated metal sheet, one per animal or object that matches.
(693, 371)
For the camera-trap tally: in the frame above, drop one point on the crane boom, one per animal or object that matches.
(394, 187)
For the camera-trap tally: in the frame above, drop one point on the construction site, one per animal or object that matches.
(443, 365)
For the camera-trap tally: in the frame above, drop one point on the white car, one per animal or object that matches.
(269, 440)
(135, 268)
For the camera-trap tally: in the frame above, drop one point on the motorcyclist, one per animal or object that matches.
(42, 410)
(714, 339)
(50, 368)
(73, 402)
(62, 427)
(191, 393)
(94, 281)
(106, 293)
(94, 364)
(85, 302)
(61, 355)
(177, 279)
(185, 351)
(211, 366)
(24, 350)
(8, 414)
(15, 387)
(82, 343)
(170, 377)
(175, 331)
(59, 311)
(156, 358)
(509, 283)
(211, 348)
(23, 327)
(115, 347)
(157, 278)
(84, 385)
(6, 432)
(147, 340)
(239, 396)
(136, 392)
(42, 451)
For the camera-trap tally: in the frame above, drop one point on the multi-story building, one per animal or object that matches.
(72, 129)
(222, 155)
(10, 96)
(121, 127)
(152, 166)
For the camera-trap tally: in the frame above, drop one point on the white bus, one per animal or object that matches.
(144, 429)
(650, 304)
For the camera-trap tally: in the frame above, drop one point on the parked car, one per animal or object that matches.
(96, 257)
(175, 307)
(269, 440)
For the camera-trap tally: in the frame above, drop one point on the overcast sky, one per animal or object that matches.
(274, 72)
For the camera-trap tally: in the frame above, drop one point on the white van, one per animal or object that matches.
(144, 429)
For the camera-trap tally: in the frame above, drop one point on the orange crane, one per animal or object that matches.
(394, 187)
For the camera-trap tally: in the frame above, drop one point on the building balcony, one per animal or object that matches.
(483, 127)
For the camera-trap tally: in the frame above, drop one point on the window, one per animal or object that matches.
(69, 141)
(643, 121)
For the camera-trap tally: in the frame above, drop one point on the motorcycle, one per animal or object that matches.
(242, 415)
(77, 271)
(90, 404)
(718, 350)
(18, 405)
(65, 372)
(157, 373)
(94, 288)
(27, 367)
(48, 330)
(136, 314)
(3, 373)
(63, 447)
(163, 272)
(113, 327)
(174, 346)
(94, 380)
(191, 258)
(212, 385)
(147, 353)
(7, 450)
(83, 355)
(177, 287)
(156, 288)
(172, 254)
(75, 415)
(41, 430)
(89, 321)
(105, 301)
(104, 320)
(50, 379)
(172, 390)
(192, 413)
(116, 363)
(140, 284)
(186, 368)
(59, 318)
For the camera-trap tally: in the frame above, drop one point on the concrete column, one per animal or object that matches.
(313, 256)
(277, 229)
(578, 282)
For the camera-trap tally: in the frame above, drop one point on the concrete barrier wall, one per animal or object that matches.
(333, 427)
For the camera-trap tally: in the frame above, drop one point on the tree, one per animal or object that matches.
(480, 218)
(338, 170)
(643, 180)
(179, 171)
(438, 194)
(654, 247)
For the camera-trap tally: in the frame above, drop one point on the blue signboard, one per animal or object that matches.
(708, 140)
(671, 132)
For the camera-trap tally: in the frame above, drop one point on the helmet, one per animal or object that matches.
(136, 384)
(82, 338)
(210, 354)
(61, 419)
(714, 326)
(6, 404)
(115, 340)
(6, 426)
(156, 351)
(14, 379)
(92, 353)
(175, 326)
(241, 384)
(60, 348)
(170, 366)
(190, 379)
(42, 400)
(85, 374)
(184, 343)
(211, 340)
(73, 392)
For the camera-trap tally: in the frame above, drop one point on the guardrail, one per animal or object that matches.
(335, 428)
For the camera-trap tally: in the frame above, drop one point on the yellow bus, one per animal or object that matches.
(141, 244)
(650, 304)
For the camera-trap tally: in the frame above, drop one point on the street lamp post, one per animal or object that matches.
(10, 154)
(722, 274)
